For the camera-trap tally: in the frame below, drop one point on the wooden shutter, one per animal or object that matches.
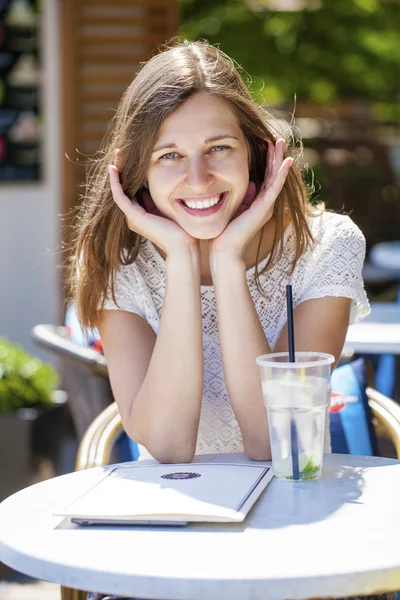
(103, 42)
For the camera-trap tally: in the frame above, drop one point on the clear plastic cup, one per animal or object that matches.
(296, 396)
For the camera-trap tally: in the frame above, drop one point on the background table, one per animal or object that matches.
(337, 536)
(379, 333)
(386, 255)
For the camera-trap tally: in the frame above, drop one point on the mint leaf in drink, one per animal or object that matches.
(309, 470)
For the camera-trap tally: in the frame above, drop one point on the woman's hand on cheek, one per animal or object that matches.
(164, 233)
(254, 213)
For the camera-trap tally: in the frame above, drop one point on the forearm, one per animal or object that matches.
(242, 339)
(166, 411)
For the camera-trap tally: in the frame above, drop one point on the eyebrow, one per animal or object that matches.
(215, 138)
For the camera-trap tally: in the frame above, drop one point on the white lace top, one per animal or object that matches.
(331, 268)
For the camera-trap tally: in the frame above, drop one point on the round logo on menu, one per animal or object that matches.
(180, 475)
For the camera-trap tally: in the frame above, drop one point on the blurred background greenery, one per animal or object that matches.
(336, 65)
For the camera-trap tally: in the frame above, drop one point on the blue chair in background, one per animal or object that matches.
(386, 376)
(351, 419)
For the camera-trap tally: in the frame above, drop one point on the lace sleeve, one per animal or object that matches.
(126, 294)
(336, 266)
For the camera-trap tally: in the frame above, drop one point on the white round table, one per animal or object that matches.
(338, 536)
(379, 332)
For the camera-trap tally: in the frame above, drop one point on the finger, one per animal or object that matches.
(135, 215)
(277, 152)
(120, 198)
(118, 159)
(278, 182)
(278, 158)
(269, 163)
(271, 148)
(274, 155)
(261, 210)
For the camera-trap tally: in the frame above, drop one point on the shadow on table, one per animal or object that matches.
(312, 501)
(293, 503)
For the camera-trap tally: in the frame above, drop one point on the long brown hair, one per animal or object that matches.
(102, 240)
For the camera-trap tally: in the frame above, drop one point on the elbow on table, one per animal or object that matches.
(258, 451)
(171, 453)
(171, 457)
(166, 451)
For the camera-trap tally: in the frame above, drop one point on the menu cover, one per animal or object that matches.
(170, 494)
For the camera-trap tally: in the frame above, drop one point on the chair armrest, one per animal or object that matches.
(54, 339)
(97, 442)
(387, 413)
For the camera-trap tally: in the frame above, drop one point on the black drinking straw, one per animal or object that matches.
(294, 442)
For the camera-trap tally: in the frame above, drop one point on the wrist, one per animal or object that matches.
(224, 265)
(185, 260)
(187, 251)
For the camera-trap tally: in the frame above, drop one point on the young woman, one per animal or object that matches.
(195, 219)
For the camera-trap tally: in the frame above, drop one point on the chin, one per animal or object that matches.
(205, 233)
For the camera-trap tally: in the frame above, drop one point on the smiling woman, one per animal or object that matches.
(195, 219)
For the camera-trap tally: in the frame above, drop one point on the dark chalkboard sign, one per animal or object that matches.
(20, 84)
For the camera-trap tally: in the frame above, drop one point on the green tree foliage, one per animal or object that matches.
(25, 381)
(344, 49)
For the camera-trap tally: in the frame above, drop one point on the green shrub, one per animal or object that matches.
(25, 381)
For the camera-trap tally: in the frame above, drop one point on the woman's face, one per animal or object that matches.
(199, 169)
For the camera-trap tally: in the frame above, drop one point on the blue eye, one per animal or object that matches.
(169, 156)
(217, 149)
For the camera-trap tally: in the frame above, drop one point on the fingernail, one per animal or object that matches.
(109, 169)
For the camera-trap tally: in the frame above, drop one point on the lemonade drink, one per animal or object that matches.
(302, 401)
(296, 396)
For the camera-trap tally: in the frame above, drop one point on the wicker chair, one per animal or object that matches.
(96, 445)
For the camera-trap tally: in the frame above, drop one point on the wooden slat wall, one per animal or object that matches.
(102, 44)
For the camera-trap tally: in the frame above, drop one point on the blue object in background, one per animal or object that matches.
(385, 371)
(75, 331)
(126, 448)
(385, 375)
(351, 427)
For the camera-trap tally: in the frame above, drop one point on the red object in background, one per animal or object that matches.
(98, 346)
(336, 406)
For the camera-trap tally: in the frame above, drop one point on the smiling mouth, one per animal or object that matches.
(204, 207)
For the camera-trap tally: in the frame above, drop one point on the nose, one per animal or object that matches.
(198, 178)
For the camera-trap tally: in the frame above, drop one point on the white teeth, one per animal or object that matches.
(202, 204)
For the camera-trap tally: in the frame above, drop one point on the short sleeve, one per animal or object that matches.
(335, 265)
(126, 291)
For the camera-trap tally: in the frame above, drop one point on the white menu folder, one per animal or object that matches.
(173, 494)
